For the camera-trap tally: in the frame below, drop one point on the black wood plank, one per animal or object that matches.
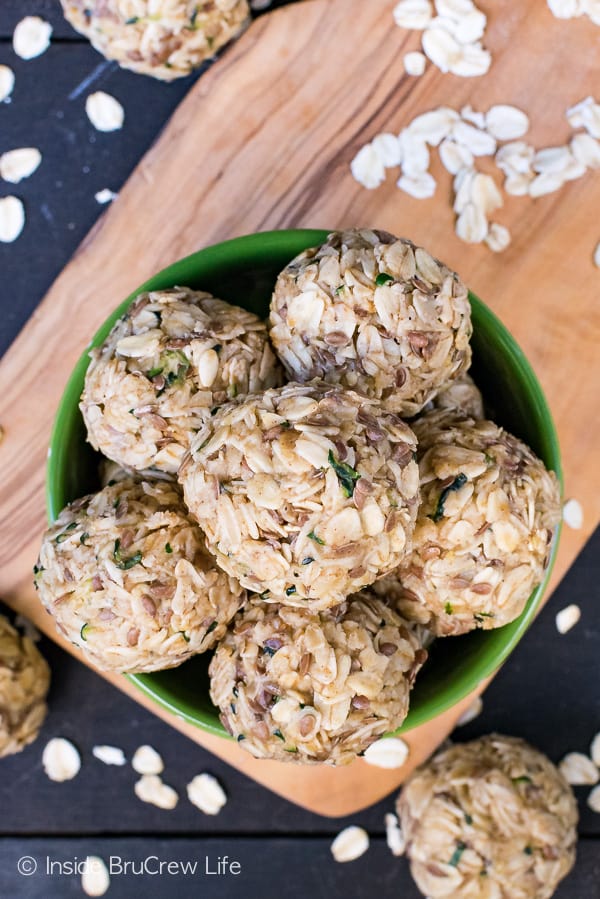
(269, 869)
(547, 693)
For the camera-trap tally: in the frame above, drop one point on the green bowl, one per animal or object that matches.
(243, 271)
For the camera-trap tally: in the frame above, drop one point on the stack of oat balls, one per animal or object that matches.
(313, 498)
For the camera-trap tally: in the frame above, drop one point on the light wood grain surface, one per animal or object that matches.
(264, 141)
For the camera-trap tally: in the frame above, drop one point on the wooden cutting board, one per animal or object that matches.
(263, 141)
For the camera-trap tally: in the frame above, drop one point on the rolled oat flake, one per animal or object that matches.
(95, 879)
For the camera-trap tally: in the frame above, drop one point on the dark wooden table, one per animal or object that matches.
(548, 692)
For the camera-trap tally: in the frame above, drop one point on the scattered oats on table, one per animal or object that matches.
(303, 686)
(487, 814)
(61, 760)
(350, 844)
(12, 219)
(151, 788)
(168, 362)
(104, 111)
(305, 493)
(484, 528)
(167, 39)
(127, 578)
(15, 165)
(24, 683)
(7, 83)
(95, 878)
(374, 313)
(31, 37)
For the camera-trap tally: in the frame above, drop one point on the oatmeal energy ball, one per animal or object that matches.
(373, 313)
(460, 396)
(167, 363)
(484, 527)
(127, 578)
(24, 682)
(491, 818)
(305, 687)
(163, 38)
(305, 493)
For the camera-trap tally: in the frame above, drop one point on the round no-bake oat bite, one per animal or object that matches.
(163, 38)
(127, 578)
(24, 683)
(373, 313)
(306, 493)
(483, 532)
(167, 363)
(301, 686)
(490, 819)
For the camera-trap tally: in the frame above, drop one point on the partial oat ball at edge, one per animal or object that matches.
(373, 313)
(493, 817)
(170, 360)
(482, 540)
(303, 686)
(126, 576)
(24, 684)
(167, 39)
(305, 493)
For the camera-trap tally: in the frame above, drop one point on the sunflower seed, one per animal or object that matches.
(12, 219)
(567, 618)
(573, 514)
(350, 843)
(420, 186)
(146, 760)
(31, 37)
(578, 770)
(150, 788)
(414, 63)
(506, 122)
(7, 82)
(61, 760)
(207, 794)
(104, 111)
(413, 14)
(367, 167)
(18, 164)
(110, 755)
(470, 713)
(95, 879)
(390, 752)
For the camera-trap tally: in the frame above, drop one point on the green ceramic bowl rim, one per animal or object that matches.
(263, 243)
